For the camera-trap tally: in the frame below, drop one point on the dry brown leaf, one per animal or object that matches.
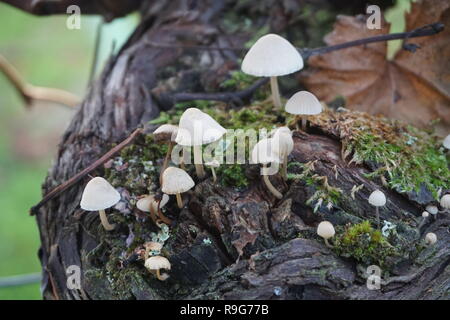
(414, 87)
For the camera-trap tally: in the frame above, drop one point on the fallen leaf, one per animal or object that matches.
(414, 87)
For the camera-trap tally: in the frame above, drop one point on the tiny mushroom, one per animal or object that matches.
(445, 202)
(325, 230)
(99, 195)
(176, 181)
(272, 56)
(150, 204)
(155, 264)
(430, 238)
(283, 144)
(166, 133)
(303, 104)
(213, 164)
(425, 215)
(195, 129)
(262, 153)
(377, 199)
(432, 209)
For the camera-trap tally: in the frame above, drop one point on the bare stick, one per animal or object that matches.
(29, 92)
(72, 181)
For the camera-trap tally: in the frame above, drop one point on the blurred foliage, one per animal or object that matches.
(46, 53)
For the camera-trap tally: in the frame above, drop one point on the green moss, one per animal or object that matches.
(363, 243)
(408, 158)
(232, 175)
(408, 164)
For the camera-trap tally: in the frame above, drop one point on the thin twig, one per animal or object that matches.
(166, 100)
(72, 181)
(29, 93)
(427, 30)
(20, 280)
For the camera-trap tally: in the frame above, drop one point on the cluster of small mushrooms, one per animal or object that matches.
(196, 129)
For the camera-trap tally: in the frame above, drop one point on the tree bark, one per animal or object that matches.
(254, 251)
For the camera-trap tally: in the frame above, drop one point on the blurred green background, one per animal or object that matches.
(46, 53)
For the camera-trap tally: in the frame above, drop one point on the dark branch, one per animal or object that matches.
(72, 181)
(424, 31)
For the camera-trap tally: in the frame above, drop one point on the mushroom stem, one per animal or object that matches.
(328, 244)
(214, 174)
(284, 169)
(158, 275)
(179, 200)
(162, 216)
(304, 120)
(166, 161)
(198, 162)
(105, 222)
(271, 188)
(377, 213)
(275, 92)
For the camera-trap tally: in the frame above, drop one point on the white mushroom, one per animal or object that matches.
(213, 164)
(326, 230)
(195, 129)
(303, 104)
(272, 56)
(166, 133)
(445, 202)
(155, 264)
(430, 238)
(446, 142)
(262, 153)
(176, 181)
(377, 199)
(283, 144)
(150, 204)
(99, 195)
(425, 214)
(432, 209)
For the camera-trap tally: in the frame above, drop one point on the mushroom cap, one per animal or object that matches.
(282, 142)
(272, 56)
(425, 214)
(303, 102)
(197, 128)
(377, 198)
(445, 201)
(99, 195)
(156, 263)
(144, 203)
(325, 229)
(446, 142)
(430, 238)
(175, 180)
(263, 152)
(166, 132)
(432, 209)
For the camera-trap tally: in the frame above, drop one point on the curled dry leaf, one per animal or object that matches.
(414, 87)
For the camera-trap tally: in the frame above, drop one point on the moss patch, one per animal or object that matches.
(365, 244)
(406, 157)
